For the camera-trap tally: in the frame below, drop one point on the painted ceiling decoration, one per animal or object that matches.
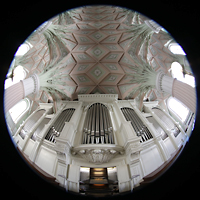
(102, 49)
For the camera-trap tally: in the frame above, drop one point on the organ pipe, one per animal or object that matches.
(98, 122)
(137, 124)
(59, 124)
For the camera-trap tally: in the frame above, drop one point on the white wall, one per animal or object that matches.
(47, 160)
(150, 159)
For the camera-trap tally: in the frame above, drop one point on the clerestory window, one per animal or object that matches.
(177, 72)
(18, 110)
(180, 110)
(176, 49)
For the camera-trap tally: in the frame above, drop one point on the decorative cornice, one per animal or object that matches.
(98, 97)
(97, 154)
(159, 81)
(36, 83)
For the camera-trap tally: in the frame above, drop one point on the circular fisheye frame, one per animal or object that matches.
(100, 99)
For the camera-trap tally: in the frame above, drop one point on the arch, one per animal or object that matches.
(157, 127)
(31, 122)
(98, 126)
(19, 74)
(178, 108)
(89, 105)
(19, 110)
(167, 121)
(176, 49)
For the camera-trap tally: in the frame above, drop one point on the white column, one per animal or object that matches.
(182, 91)
(42, 135)
(20, 90)
(175, 122)
(169, 133)
(31, 84)
(31, 131)
(77, 114)
(157, 140)
(185, 93)
(119, 116)
(23, 123)
(115, 130)
(13, 95)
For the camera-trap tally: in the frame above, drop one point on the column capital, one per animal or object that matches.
(164, 83)
(31, 85)
(153, 25)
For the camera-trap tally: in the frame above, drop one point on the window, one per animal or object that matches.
(23, 49)
(19, 74)
(19, 109)
(178, 108)
(177, 72)
(176, 49)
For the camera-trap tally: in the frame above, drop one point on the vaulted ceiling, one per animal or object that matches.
(91, 50)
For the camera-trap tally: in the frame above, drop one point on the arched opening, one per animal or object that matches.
(18, 110)
(180, 110)
(176, 49)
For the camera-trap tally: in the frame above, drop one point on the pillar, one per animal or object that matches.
(13, 95)
(169, 133)
(182, 91)
(19, 91)
(31, 131)
(158, 141)
(42, 135)
(185, 93)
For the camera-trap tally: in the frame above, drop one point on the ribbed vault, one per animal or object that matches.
(97, 49)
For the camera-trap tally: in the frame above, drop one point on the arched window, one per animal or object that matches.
(23, 49)
(19, 74)
(59, 124)
(176, 49)
(180, 110)
(177, 72)
(98, 126)
(18, 110)
(137, 124)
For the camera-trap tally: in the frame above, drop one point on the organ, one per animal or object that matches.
(98, 131)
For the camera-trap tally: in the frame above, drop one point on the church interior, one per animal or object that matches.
(100, 100)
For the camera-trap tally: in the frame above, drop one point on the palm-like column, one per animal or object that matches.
(144, 76)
